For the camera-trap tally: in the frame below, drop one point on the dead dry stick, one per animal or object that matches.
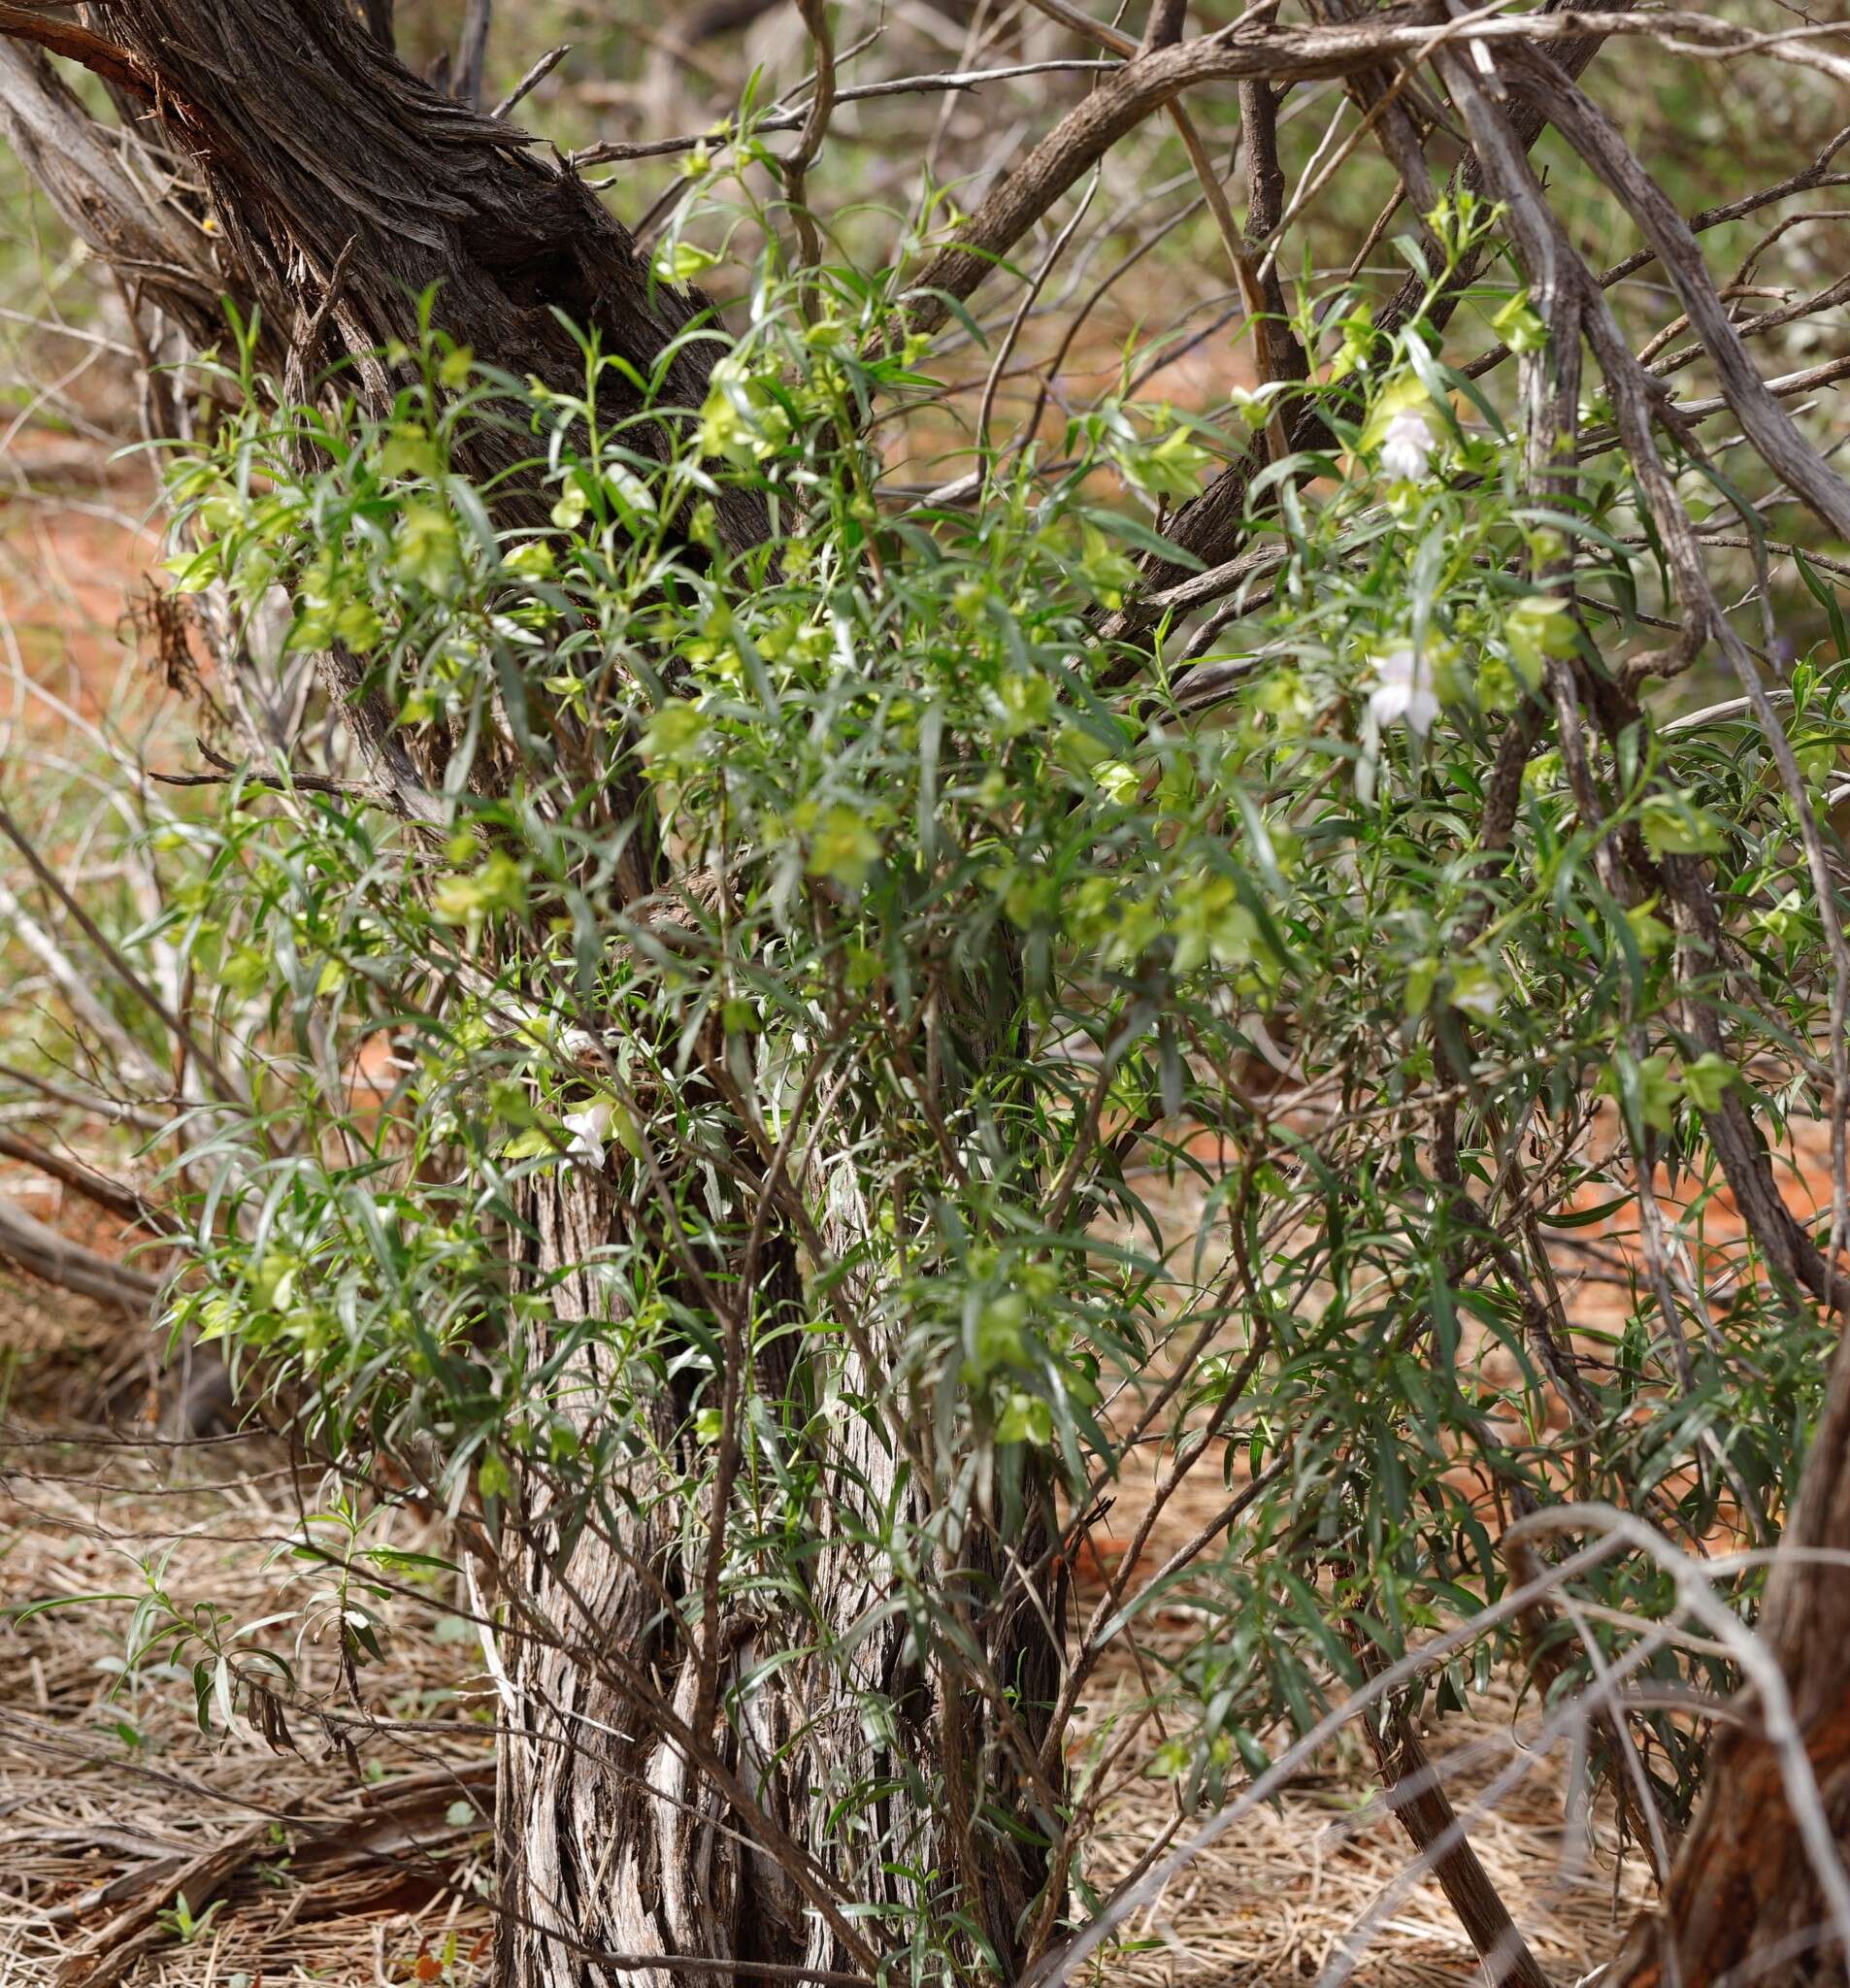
(953, 83)
(112, 1952)
(532, 79)
(472, 57)
(1006, 350)
(1769, 427)
(115, 1196)
(55, 1259)
(815, 128)
(221, 1083)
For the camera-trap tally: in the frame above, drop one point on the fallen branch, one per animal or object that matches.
(54, 1259)
(408, 1821)
(113, 1196)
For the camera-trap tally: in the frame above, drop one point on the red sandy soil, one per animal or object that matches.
(71, 566)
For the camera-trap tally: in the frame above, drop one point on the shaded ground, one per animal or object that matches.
(333, 1852)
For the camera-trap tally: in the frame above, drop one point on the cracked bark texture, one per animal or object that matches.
(307, 143)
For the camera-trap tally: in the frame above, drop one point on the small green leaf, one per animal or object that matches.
(1707, 1080)
(1673, 827)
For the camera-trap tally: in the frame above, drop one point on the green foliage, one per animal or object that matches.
(833, 897)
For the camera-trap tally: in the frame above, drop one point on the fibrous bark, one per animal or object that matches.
(313, 147)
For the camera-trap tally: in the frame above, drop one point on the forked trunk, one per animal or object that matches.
(635, 1822)
(629, 1827)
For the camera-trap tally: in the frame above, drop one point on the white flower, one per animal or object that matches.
(1404, 690)
(579, 1047)
(1253, 406)
(588, 1129)
(1407, 446)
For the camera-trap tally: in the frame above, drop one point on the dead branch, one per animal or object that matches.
(54, 1259)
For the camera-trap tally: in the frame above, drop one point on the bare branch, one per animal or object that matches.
(27, 1241)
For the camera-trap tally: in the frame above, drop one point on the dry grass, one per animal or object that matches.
(356, 1849)
(1282, 1895)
